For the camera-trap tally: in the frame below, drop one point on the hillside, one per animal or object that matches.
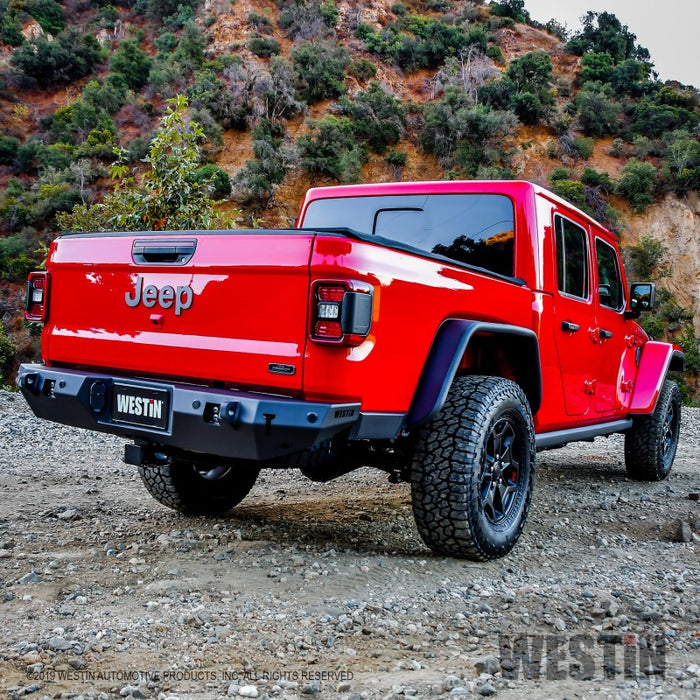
(293, 93)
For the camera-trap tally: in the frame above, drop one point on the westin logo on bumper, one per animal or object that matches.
(140, 406)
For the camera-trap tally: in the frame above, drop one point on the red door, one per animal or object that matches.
(574, 314)
(615, 355)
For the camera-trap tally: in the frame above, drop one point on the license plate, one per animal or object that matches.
(142, 406)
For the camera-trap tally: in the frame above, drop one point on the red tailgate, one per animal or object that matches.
(221, 306)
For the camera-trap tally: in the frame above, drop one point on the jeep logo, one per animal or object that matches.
(181, 297)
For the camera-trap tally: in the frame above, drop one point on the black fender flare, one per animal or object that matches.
(451, 341)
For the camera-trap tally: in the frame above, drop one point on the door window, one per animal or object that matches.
(572, 258)
(609, 280)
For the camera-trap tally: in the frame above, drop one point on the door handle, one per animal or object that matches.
(569, 326)
(605, 335)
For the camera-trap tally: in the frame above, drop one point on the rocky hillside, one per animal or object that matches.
(293, 93)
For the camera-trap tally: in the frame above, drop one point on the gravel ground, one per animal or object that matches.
(309, 590)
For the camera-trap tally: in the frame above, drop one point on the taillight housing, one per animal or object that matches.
(341, 312)
(37, 297)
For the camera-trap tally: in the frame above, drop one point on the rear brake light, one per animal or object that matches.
(342, 312)
(37, 296)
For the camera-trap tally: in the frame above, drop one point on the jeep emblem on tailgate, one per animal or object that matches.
(180, 297)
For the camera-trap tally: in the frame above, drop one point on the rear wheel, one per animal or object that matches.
(473, 470)
(194, 489)
(651, 443)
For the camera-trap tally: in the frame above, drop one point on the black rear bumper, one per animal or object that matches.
(228, 424)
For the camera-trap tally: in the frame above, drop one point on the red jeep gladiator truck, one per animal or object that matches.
(441, 331)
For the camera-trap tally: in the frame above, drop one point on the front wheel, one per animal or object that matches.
(473, 470)
(651, 442)
(194, 489)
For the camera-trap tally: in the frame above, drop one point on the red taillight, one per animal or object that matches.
(342, 313)
(328, 330)
(37, 296)
(330, 293)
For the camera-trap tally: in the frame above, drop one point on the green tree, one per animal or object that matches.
(531, 77)
(682, 162)
(597, 110)
(258, 179)
(637, 184)
(320, 70)
(331, 148)
(602, 32)
(166, 197)
(596, 66)
(515, 9)
(48, 14)
(378, 118)
(131, 62)
(69, 56)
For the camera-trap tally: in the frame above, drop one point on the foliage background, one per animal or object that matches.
(284, 94)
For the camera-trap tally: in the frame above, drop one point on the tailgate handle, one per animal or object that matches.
(166, 252)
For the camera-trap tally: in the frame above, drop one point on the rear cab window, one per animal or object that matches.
(472, 229)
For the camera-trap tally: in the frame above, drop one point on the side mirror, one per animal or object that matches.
(642, 297)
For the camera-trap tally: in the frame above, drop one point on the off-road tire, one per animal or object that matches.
(651, 442)
(195, 490)
(473, 470)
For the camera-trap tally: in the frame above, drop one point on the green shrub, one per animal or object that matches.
(596, 66)
(637, 184)
(166, 42)
(11, 24)
(171, 9)
(108, 94)
(597, 110)
(648, 260)
(463, 135)
(515, 9)
(654, 117)
(34, 156)
(191, 47)
(362, 69)
(584, 147)
(378, 118)
(494, 52)
(681, 167)
(72, 124)
(597, 179)
(260, 23)
(396, 159)
(264, 47)
(131, 62)
(416, 41)
(8, 149)
(258, 179)
(48, 14)
(631, 77)
(571, 190)
(308, 19)
(217, 177)
(8, 353)
(70, 56)
(320, 70)
(330, 148)
(229, 101)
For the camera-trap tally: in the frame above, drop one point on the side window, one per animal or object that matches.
(572, 258)
(609, 281)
